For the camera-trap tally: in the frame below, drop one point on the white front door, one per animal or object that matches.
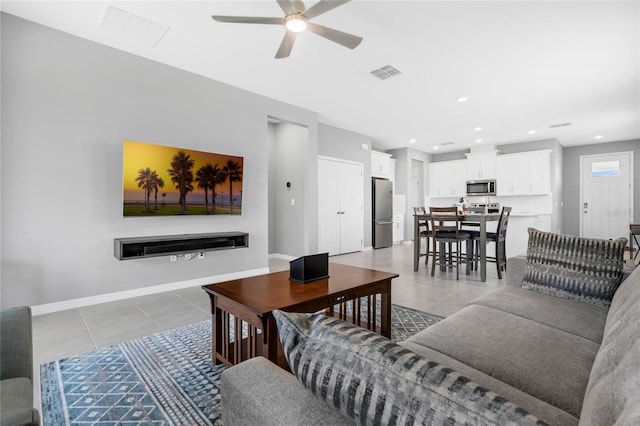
(340, 206)
(606, 199)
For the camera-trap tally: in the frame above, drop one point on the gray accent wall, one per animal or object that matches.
(571, 179)
(67, 105)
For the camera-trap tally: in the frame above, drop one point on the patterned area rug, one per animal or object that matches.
(163, 379)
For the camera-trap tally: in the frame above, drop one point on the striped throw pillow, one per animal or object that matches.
(374, 381)
(585, 269)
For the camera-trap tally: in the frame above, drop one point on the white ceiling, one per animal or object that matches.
(525, 65)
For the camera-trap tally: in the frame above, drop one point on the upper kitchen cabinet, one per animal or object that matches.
(481, 165)
(448, 179)
(525, 173)
(381, 165)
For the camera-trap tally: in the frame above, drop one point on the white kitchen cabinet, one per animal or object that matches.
(525, 173)
(448, 179)
(380, 165)
(398, 228)
(540, 172)
(481, 165)
(517, 235)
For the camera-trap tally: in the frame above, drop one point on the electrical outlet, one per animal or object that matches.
(201, 255)
(173, 258)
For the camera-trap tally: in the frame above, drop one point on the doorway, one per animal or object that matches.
(288, 154)
(606, 195)
(417, 183)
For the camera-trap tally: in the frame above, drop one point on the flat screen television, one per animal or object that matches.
(167, 181)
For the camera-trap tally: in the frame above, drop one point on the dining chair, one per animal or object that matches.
(445, 229)
(499, 238)
(423, 232)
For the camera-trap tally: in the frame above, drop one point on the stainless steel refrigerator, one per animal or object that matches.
(382, 194)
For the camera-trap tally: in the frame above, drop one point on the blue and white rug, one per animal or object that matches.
(164, 379)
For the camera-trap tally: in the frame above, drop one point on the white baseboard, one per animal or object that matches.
(111, 297)
(368, 248)
(281, 256)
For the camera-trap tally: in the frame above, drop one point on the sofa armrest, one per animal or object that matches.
(515, 270)
(258, 392)
(22, 417)
(16, 346)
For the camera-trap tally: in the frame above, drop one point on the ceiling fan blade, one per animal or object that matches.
(249, 20)
(287, 7)
(344, 39)
(298, 6)
(287, 44)
(323, 6)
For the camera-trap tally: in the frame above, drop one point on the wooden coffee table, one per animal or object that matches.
(248, 303)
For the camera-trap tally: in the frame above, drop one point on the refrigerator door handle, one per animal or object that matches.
(384, 222)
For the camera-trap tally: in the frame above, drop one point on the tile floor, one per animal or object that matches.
(65, 333)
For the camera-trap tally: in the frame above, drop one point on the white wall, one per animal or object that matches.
(67, 106)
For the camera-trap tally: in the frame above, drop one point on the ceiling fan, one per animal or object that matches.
(296, 20)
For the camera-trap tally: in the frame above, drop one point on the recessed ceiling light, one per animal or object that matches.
(413, 140)
(436, 147)
(462, 99)
(477, 129)
(532, 132)
(478, 140)
(598, 137)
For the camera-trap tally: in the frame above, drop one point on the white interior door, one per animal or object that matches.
(340, 207)
(606, 199)
(351, 208)
(328, 207)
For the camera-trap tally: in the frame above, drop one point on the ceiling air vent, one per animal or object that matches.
(386, 72)
(555, 126)
(125, 24)
(446, 143)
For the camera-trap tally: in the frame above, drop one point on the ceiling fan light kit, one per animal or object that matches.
(296, 20)
(296, 23)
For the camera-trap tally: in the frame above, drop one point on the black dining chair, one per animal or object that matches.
(423, 232)
(499, 238)
(445, 230)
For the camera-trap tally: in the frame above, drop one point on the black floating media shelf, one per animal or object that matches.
(166, 245)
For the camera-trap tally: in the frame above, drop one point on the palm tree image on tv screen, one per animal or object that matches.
(166, 181)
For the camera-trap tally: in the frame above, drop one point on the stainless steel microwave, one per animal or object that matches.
(481, 187)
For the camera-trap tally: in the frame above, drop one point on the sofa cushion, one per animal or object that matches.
(613, 392)
(544, 411)
(375, 381)
(549, 364)
(584, 269)
(582, 319)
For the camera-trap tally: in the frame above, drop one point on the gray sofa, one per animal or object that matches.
(16, 368)
(565, 362)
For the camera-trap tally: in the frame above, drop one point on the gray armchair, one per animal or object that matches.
(16, 369)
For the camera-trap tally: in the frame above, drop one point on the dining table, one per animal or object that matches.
(480, 218)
